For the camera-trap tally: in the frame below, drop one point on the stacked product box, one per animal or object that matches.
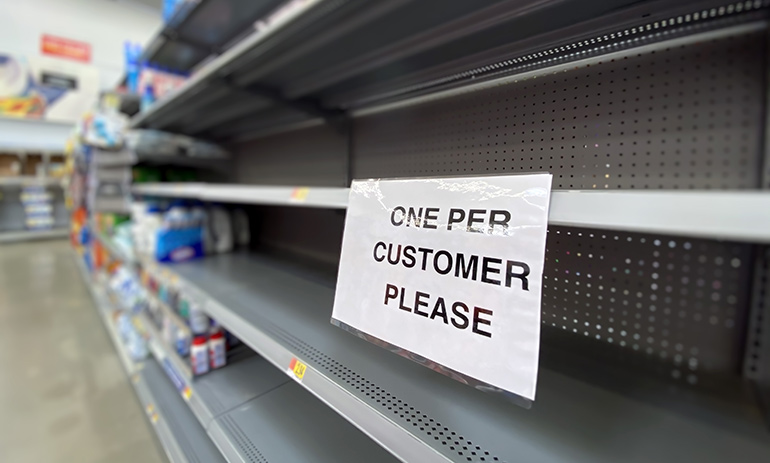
(38, 208)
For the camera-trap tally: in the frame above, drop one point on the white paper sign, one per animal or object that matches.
(450, 269)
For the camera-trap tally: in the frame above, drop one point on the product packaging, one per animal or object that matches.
(217, 350)
(199, 355)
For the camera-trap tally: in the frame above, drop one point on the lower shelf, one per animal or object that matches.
(282, 311)
(254, 413)
(182, 436)
(32, 235)
(251, 410)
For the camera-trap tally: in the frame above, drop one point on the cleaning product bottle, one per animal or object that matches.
(182, 342)
(199, 355)
(221, 229)
(148, 98)
(217, 351)
(199, 321)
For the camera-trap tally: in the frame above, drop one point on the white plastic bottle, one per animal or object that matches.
(169, 331)
(217, 350)
(221, 229)
(182, 342)
(199, 321)
(199, 355)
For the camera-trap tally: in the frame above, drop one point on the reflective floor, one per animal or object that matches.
(63, 394)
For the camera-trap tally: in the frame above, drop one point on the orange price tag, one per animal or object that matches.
(300, 194)
(298, 368)
(187, 393)
(154, 418)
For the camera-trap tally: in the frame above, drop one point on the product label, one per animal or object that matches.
(199, 360)
(218, 354)
(300, 194)
(451, 270)
(297, 368)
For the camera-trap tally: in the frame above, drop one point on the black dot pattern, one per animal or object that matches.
(676, 305)
(247, 447)
(411, 418)
(681, 117)
(758, 334)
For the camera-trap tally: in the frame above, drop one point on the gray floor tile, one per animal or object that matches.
(63, 394)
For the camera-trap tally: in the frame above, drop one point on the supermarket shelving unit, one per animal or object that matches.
(32, 235)
(652, 118)
(182, 437)
(20, 136)
(248, 410)
(24, 134)
(201, 29)
(718, 215)
(44, 141)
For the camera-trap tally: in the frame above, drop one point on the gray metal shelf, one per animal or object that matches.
(729, 215)
(251, 410)
(325, 197)
(33, 135)
(183, 438)
(32, 235)
(287, 424)
(181, 371)
(254, 413)
(328, 57)
(30, 180)
(200, 28)
(282, 311)
(212, 70)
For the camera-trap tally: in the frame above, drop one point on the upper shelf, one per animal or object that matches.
(33, 135)
(250, 405)
(316, 59)
(728, 215)
(325, 197)
(282, 310)
(202, 28)
(30, 180)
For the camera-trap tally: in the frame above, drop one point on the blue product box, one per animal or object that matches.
(177, 245)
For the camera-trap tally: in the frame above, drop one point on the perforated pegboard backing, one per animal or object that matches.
(757, 363)
(315, 156)
(674, 306)
(689, 116)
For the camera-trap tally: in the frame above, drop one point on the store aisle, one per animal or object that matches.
(63, 394)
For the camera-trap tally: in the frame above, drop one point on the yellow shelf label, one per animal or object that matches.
(298, 368)
(300, 194)
(187, 393)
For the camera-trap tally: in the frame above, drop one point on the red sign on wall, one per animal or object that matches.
(72, 49)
